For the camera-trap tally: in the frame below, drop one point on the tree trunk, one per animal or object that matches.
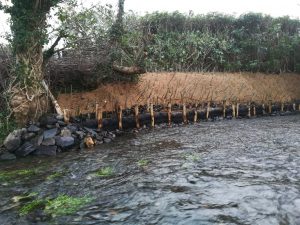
(28, 98)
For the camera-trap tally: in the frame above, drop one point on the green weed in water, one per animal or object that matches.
(31, 206)
(55, 175)
(105, 172)
(65, 205)
(9, 175)
(143, 162)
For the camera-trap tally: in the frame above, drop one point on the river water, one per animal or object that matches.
(225, 172)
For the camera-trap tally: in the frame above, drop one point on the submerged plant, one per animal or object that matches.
(31, 206)
(56, 175)
(9, 175)
(105, 172)
(143, 162)
(65, 205)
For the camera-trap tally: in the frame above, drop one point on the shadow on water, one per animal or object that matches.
(230, 172)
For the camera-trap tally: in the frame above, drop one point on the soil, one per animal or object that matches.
(161, 88)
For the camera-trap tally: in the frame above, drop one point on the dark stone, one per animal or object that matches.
(48, 142)
(25, 149)
(99, 137)
(50, 133)
(59, 117)
(65, 142)
(7, 156)
(13, 141)
(47, 120)
(106, 140)
(61, 123)
(72, 128)
(46, 150)
(28, 136)
(50, 126)
(81, 134)
(65, 132)
(33, 128)
(91, 132)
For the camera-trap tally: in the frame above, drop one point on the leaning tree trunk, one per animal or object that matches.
(28, 99)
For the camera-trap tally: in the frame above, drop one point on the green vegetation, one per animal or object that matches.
(62, 205)
(105, 172)
(6, 125)
(10, 175)
(31, 206)
(56, 175)
(143, 162)
(65, 205)
(192, 157)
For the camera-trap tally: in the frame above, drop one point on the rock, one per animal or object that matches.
(25, 149)
(28, 136)
(50, 133)
(91, 132)
(99, 137)
(33, 128)
(47, 120)
(72, 128)
(46, 150)
(61, 123)
(106, 140)
(89, 142)
(81, 134)
(13, 141)
(50, 126)
(59, 117)
(48, 142)
(65, 132)
(65, 142)
(7, 156)
(37, 140)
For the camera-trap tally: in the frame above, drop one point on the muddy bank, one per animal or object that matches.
(161, 88)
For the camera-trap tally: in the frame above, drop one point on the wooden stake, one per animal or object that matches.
(233, 110)
(294, 106)
(224, 109)
(254, 110)
(136, 114)
(207, 110)
(263, 109)
(67, 116)
(169, 114)
(299, 107)
(120, 117)
(96, 110)
(249, 109)
(237, 109)
(282, 107)
(270, 107)
(152, 115)
(196, 114)
(184, 113)
(99, 115)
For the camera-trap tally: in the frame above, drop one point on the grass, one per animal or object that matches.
(56, 175)
(9, 175)
(65, 205)
(31, 206)
(143, 162)
(193, 157)
(60, 206)
(105, 172)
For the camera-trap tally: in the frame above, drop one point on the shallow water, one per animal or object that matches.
(227, 172)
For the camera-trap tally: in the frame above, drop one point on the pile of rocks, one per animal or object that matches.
(50, 136)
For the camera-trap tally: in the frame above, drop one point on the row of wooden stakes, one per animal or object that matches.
(150, 108)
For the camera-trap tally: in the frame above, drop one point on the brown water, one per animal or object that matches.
(227, 172)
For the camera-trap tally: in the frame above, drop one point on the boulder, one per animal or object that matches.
(13, 141)
(33, 128)
(91, 132)
(28, 136)
(106, 140)
(72, 128)
(48, 142)
(46, 150)
(65, 142)
(7, 156)
(89, 142)
(50, 133)
(47, 120)
(65, 132)
(25, 149)
(80, 134)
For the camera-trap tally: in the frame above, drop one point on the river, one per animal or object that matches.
(243, 171)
